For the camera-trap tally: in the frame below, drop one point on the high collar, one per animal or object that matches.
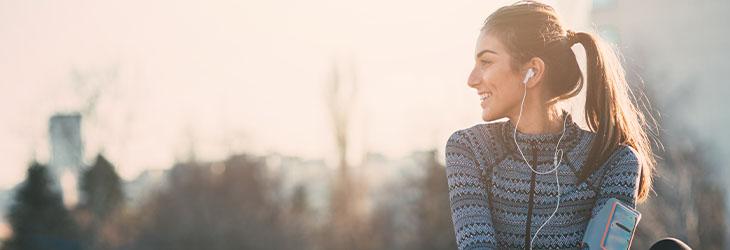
(544, 143)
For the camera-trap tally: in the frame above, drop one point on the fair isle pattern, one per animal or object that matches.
(485, 155)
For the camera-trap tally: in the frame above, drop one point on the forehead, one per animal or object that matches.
(488, 41)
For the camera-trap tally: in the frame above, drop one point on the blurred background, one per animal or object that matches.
(283, 124)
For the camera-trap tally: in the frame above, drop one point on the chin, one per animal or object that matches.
(487, 116)
(490, 115)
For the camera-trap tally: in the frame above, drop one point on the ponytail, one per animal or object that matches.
(532, 29)
(610, 112)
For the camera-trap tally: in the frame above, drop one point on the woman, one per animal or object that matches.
(503, 187)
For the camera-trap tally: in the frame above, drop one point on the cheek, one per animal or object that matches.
(497, 74)
(506, 92)
(490, 75)
(510, 90)
(500, 82)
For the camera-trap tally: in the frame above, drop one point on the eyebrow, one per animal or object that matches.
(484, 51)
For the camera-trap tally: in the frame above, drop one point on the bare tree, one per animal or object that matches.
(347, 223)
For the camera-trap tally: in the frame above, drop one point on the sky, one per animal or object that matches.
(156, 80)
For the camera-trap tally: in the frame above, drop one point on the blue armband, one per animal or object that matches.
(612, 228)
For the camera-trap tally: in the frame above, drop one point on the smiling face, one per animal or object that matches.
(498, 85)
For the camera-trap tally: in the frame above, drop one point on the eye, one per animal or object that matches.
(485, 62)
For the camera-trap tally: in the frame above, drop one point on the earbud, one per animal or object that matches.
(530, 74)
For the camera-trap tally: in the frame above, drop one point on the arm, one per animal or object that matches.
(467, 195)
(621, 179)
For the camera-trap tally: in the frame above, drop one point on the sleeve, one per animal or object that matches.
(620, 179)
(468, 198)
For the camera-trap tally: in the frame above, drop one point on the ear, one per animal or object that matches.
(538, 66)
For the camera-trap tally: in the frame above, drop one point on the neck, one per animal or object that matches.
(538, 118)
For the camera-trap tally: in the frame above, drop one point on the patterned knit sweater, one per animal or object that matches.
(485, 155)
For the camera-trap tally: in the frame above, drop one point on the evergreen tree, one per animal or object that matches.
(101, 188)
(38, 217)
(102, 196)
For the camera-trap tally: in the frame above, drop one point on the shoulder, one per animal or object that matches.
(477, 139)
(476, 134)
(624, 154)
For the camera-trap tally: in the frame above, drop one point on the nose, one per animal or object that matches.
(474, 78)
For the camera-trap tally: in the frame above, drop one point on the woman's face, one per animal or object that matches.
(493, 78)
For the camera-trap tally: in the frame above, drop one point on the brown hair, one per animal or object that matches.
(531, 29)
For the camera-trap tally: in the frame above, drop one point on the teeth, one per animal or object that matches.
(484, 96)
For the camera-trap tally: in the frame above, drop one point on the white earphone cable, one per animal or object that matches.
(556, 160)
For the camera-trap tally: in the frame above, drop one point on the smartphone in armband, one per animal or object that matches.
(612, 228)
